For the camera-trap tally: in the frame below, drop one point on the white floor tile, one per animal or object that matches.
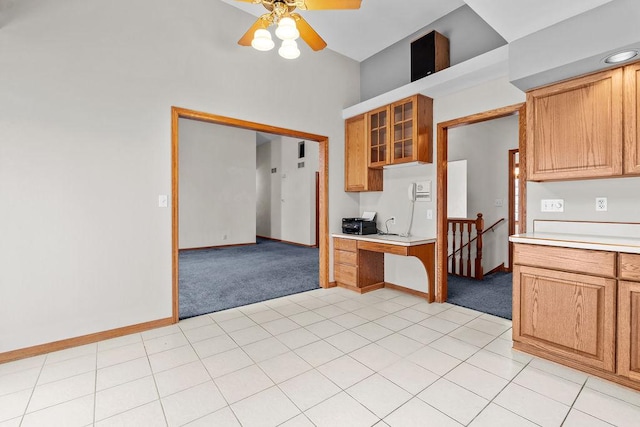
(374, 356)
(213, 346)
(265, 316)
(496, 319)
(15, 422)
(267, 408)
(350, 305)
(249, 335)
(407, 300)
(299, 421)
(120, 341)
(306, 318)
(309, 389)
(607, 408)
(447, 397)
(203, 332)
(372, 331)
(227, 362)
(330, 311)
(21, 380)
(297, 338)
(505, 348)
(441, 325)
(345, 371)
(454, 347)
(409, 376)
(243, 383)
(417, 413)
(347, 341)
(22, 365)
(181, 378)
(559, 370)
(14, 404)
(456, 317)
(393, 322)
(75, 413)
(472, 336)
(172, 358)
(388, 306)
(149, 415)
(421, 334)
(222, 418)
(370, 313)
(614, 390)
(532, 406)
(434, 360)
(159, 332)
(477, 380)
(124, 397)
(430, 309)
(50, 394)
(496, 364)
(191, 404)
(341, 410)
(325, 328)
(280, 326)
(400, 344)
(557, 388)
(223, 316)
(492, 328)
(318, 353)
(580, 419)
(68, 368)
(265, 349)
(121, 373)
(120, 354)
(71, 353)
(312, 303)
(379, 395)
(412, 315)
(195, 322)
(496, 416)
(167, 342)
(285, 366)
(290, 309)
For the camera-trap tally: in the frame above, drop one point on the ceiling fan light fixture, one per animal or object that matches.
(289, 49)
(287, 29)
(262, 40)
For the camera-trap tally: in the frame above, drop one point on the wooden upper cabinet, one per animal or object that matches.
(632, 129)
(575, 128)
(378, 131)
(411, 130)
(357, 176)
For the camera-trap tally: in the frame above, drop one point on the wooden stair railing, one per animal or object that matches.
(465, 231)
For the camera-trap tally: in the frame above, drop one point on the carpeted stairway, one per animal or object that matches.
(220, 278)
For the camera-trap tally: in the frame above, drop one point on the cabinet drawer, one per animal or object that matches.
(344, 257)
(598, 263)
(630, 267)
(345, 244)
(346, 274)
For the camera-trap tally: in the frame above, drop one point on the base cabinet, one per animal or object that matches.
(629, 330)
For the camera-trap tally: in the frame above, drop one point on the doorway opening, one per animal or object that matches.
(322, 196)
(443, 244)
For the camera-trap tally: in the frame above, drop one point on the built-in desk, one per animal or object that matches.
(359, 260)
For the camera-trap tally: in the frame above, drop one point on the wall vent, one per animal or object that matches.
(300, 165)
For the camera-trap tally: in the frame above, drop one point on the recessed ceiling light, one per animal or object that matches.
(621, 56)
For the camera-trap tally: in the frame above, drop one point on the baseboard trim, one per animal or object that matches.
(201, 248)
(286, 241)
(499, 268)
(82, 340)
(331, 285)
(406, 290)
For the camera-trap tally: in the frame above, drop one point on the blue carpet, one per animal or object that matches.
(221, 278)
(491, 295)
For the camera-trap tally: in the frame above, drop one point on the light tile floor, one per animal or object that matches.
(322, 358)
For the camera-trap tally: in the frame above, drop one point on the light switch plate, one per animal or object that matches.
(163, 201)
(552, 205)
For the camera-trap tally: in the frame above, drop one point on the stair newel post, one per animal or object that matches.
(453, 239)
(479, 229)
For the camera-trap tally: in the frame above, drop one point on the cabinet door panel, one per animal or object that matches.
(631, 109)
(572, 315)
(629, 330)
(357, 174)
(574, 128)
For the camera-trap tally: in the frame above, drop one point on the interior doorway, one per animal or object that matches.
(322, 204)
(442, 161)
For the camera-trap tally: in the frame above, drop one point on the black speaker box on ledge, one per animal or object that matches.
(429, 54)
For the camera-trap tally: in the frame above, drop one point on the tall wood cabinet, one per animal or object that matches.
(357, 175)
(586, 127)
(629, 317)
(631, 118)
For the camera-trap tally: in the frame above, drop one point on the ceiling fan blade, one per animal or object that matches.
(308, 34)
(332, 4)
(246, 39)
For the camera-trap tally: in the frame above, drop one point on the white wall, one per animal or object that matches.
(486, 147)
(407, 271)
(85, 120)
(287, 211)
(263, 189)
(217, 185)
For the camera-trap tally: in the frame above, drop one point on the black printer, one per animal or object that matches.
(359, 226)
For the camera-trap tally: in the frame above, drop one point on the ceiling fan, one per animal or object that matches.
(290, 25)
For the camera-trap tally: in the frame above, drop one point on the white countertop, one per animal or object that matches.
(580, 241)
(392, 240)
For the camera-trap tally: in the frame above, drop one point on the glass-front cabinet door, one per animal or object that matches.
(403, 144)
(378, 131)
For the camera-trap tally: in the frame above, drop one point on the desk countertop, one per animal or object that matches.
(392, 240)
(580, 241)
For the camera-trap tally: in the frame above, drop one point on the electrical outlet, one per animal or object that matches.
(601, 204)
(552, 205)
(392, 220)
